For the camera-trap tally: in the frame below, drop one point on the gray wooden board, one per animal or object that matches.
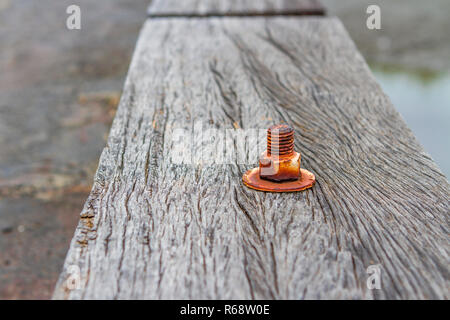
(167, 8)
(153, 228)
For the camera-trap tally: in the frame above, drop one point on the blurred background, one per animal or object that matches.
(59, 90)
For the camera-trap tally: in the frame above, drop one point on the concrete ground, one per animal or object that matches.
(59, 89)
(414, 34)
(58, 94)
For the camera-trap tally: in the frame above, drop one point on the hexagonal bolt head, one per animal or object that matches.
(280, 168)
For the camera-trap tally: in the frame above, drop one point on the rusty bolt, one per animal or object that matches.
(280, 162)
(279, 166)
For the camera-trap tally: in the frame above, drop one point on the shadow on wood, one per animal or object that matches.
(208, 8)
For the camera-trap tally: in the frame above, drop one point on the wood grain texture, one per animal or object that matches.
(205, 8)
(153, 229)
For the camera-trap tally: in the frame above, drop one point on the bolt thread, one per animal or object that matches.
(280, 140)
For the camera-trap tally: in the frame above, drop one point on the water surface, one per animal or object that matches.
(423, 100)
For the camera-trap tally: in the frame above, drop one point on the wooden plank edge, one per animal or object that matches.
(309, 12)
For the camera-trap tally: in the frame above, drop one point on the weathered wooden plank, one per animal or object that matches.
(204, 8)
(152, 228)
